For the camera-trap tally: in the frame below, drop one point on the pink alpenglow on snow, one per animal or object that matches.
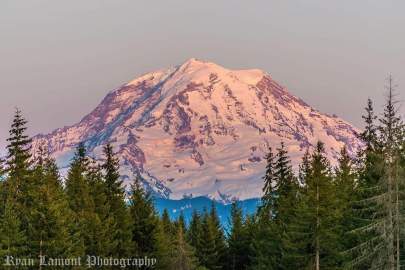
(200, 129)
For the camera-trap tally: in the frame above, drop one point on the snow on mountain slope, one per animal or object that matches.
(201, 130)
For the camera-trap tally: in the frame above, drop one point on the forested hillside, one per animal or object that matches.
(349, 216)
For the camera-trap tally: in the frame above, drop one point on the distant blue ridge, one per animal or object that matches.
(188, 205)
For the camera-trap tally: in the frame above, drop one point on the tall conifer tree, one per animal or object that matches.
(121, 231)
(391, 129)
(269, 184)
(144, 221)
(12, 238)
(238, 241)
(381, 174)
(19, 170)
(367, 208)
(16, 189)
(80, 201)
(345, 183)
(100, 222)
(195, 235)
(19, 157)
(50, 219)
(183, 254)
(318, 215)
(77, 186)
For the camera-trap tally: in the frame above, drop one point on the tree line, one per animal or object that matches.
(348, 216)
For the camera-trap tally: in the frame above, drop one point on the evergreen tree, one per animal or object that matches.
(345, 179)
(318, 215)
(115, 198)
(77, 186)
(19, 158)
(113, 182)
(269, 184)
(12, 237)
(266, 243)
(208, 253)
(369, 134)
(99, 220)
(275, 250)
(213, 245)
(391, 129)
(402, 189)
(219, 237)
(167, 224)
(382, 174)
(18, 169)
(15, 190)
(195, 235)
(367, 209)
(50, 216)
(144, 221)
(82, 190)
(238, 241)
(286, 187)
(346, 193)
(1, 170)
(183, 253)
(172, 249)
(163, 247)
(287, 203)
(250, 233)
(181, 222)
(304, 167)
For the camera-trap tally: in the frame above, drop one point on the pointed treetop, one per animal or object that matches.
(19, 147)
(283, 168)
(304, 167)
(111, 168)
(391, 125)
(369, 135)
(345, 162)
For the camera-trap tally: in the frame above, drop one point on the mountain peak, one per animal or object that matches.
(194, 61)
(198, 68)
(194, 64)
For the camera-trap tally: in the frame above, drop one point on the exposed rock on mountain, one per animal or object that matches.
(201, 130)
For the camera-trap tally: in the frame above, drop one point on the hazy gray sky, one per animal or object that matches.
(58, 59)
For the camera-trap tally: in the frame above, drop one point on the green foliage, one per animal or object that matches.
(195, 235)
(12, 238)
(144, 221)
(239, 241)
(2, 170)
(318, 215)
(269, 183)
(349, 217)
(275, 224)
(345, 186)
(208, 238)
(50, 216)
(183, 254)
(77, 186)
(163, 250)
(117, 214)
(168, 226)
(19, 156)
(18, 169)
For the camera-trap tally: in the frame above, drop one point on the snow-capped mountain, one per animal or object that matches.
(200, 129)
